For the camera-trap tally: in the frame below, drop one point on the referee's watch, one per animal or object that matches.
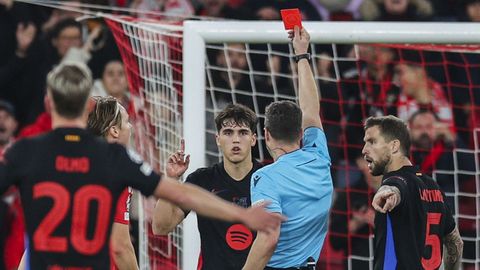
(299, 57)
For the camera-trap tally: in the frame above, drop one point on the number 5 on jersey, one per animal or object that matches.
(433, 241)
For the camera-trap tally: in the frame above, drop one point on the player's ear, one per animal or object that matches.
(254, 139)
(395, 146)
(267, 134)
(217, 138)
(114, 132)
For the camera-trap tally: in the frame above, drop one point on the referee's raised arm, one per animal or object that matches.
(308, 96)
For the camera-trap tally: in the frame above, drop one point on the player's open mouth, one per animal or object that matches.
(236, 149)
(369, 161)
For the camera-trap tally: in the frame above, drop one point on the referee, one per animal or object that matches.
(298, 184)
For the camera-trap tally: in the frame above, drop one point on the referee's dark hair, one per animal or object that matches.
(283, 119)
(392, 128)
(240, 114)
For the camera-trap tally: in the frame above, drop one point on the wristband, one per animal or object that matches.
(301, 56)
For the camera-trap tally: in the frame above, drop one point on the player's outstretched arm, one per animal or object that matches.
(188, 196)
(308, 96)
(386, 198)
(453, 250)
(167, 216)
(262, 250)
(122, 248)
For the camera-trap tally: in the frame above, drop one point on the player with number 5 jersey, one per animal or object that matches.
(413, 221)
(70, 181)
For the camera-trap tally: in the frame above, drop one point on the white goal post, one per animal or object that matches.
(197, 34)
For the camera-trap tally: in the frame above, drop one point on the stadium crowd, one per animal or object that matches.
(442, 111)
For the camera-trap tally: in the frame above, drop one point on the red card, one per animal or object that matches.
(291, 17)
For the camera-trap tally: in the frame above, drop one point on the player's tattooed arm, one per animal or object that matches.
(453, 250)
(386, 198)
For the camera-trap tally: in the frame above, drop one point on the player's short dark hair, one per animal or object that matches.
(105, 115)
(240, 114)
(391, 128)
(283, 119)
(70, 85)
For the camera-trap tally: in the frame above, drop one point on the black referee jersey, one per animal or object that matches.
(411, 236)
(70, 181)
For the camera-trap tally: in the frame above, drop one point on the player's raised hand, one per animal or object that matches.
(258, 219)
(386, 198)
(300, 39)
(178, 162)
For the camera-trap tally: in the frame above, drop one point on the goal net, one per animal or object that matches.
(177, 92)
(153, 64)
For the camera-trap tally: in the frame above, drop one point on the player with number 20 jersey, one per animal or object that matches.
(69, 192)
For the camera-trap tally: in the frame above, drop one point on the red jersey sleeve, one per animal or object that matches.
(123, 207)
(15, 240)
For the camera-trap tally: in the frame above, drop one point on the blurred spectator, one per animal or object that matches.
(221, 9)
(418, 90)
(165, 9)
(396, 10)
(96, 50)
(66, 34)
(311, 10)
(113, 83)
(433, 147)
(234, 70)
(58, 14)
(266, 10)
(11, 217)
(21, 77)
(8, 125)
(377, 91)
(469, 10)
(25, 34)
(337, 10)
(351, 221)
(368, 91)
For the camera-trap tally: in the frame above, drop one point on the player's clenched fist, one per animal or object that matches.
(300, 39)
(386, 198)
